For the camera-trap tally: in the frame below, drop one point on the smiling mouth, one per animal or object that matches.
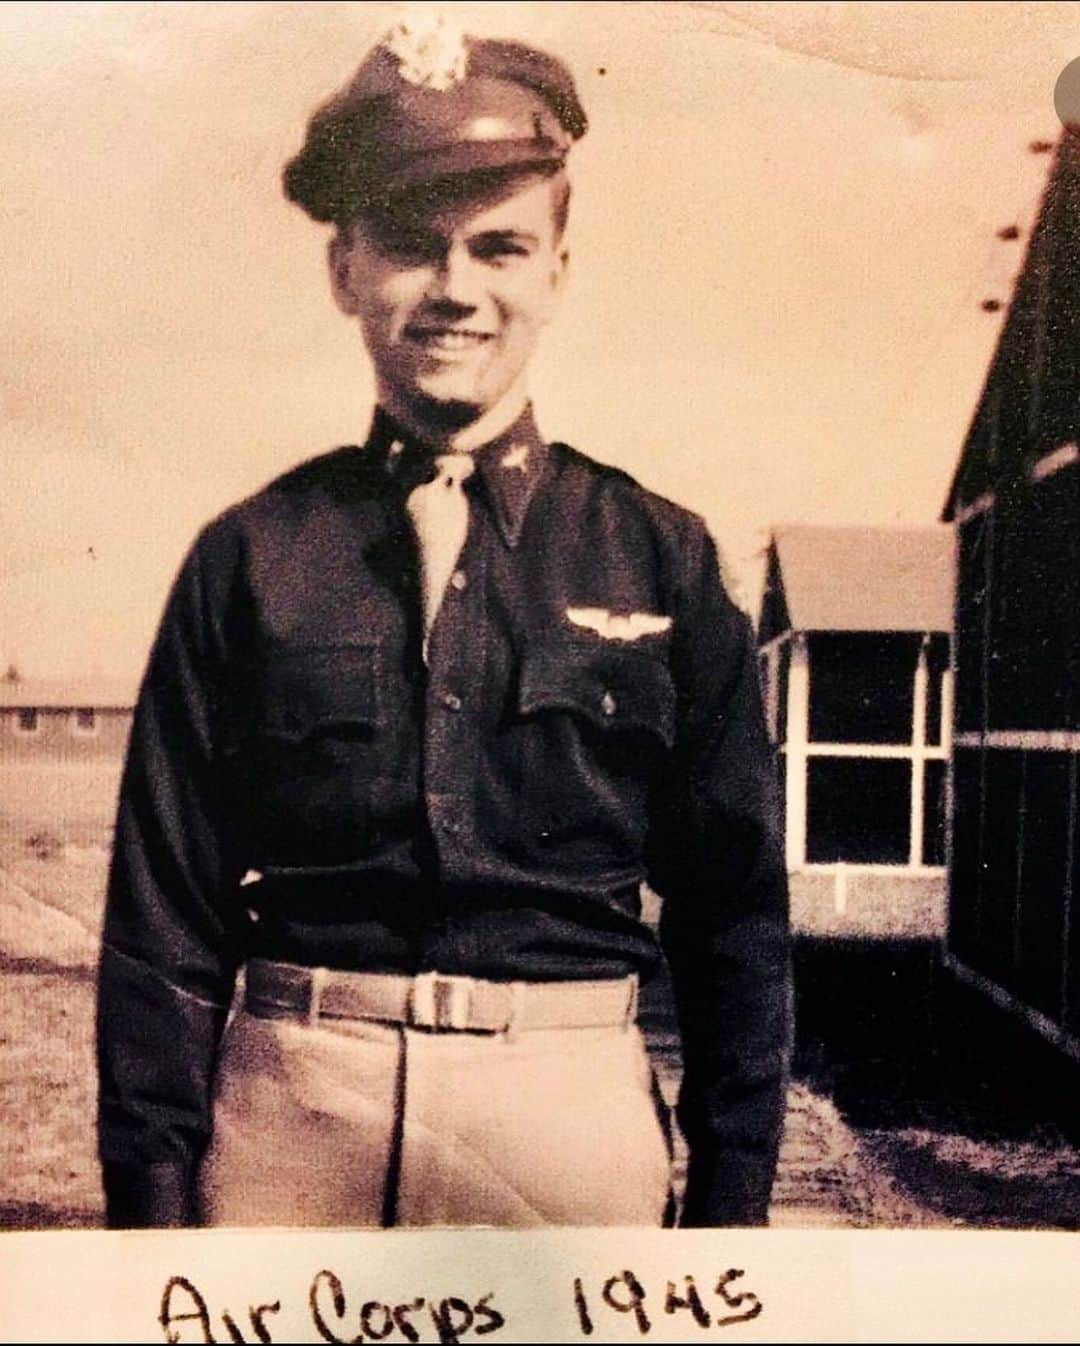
(447, 339)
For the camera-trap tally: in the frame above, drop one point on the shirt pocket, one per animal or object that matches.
(317, 754)
(596, 721)
(616, 691)
(321, 692)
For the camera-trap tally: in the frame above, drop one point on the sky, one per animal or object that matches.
(784, 226)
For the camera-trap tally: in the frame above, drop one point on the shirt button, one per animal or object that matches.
(451, 700)
(459, 580)
(608, 704)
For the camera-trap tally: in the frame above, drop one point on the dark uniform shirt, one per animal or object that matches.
(588, 718)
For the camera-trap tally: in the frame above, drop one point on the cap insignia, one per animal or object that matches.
(430, 52)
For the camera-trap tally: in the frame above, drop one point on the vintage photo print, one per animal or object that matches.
(569, 514)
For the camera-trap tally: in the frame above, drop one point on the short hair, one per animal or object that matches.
(402, 213)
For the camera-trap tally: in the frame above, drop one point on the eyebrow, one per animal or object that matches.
(510, 235)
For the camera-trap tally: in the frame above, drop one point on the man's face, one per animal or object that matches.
(452, 299)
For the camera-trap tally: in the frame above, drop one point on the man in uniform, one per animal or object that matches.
(420, 719)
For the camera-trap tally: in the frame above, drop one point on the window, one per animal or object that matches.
(862, 687)
(27, 720)
(84, 722)
(933, 838)
(858, 810)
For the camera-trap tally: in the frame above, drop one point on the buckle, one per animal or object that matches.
(440, 1002)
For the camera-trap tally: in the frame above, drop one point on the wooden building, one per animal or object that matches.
(1015, 501)
(62, 745)
(71, 721)
(853, 640)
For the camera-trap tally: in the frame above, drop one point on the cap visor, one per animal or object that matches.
(475, 156)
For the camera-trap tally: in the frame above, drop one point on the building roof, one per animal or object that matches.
(64, 694)
(858, 579)
(1030, 403)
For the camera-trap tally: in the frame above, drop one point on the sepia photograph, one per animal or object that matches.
(539, 619)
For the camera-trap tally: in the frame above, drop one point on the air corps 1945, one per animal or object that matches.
(421, 718)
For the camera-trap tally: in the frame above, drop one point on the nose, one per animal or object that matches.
(455, 280)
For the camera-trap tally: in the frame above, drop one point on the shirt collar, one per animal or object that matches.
(510, 466)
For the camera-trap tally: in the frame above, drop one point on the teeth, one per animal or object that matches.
(452, 341)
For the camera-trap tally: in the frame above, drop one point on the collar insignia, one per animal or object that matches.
(517, 457)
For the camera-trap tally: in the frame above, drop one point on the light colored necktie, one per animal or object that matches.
(440, 513)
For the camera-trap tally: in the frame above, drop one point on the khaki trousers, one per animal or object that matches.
(349, 1123)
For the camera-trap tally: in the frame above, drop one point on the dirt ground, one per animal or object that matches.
(48, 1170)
(867, 1144)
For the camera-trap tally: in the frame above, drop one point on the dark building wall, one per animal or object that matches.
(775, 619)
(1018, 609)
(1030, 404)
(1015, 844)
(1016, 833)
(1015, 870)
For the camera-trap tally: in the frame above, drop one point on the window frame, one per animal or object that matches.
(78, 730)
(18, 728)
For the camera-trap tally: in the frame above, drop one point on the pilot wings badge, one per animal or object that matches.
(615, 626)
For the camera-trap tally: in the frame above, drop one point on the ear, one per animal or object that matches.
(339, 254)
(560, 269)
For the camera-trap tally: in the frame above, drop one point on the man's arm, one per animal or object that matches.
(169, 950)
(716, 858)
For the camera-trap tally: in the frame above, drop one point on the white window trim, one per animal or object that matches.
(1022, 740)
(799, 749)
(774, 644)
(980, 505)
(1041, 1023)
(898, 750)
(1063, 456)
(1054, 461)
(899, 869)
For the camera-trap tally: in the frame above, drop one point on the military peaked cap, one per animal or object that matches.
(430, 103)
